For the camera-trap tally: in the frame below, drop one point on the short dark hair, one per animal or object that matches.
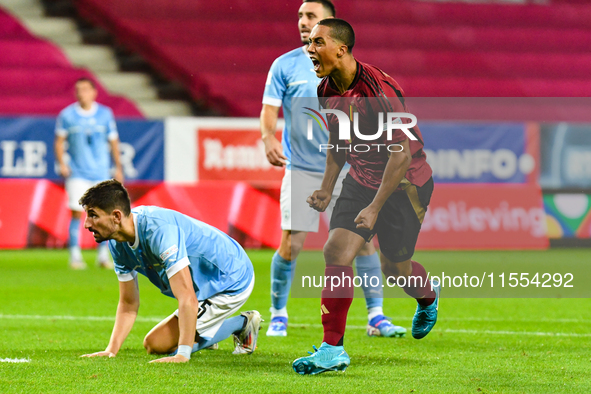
(340, 30)
(86, 79)
(327, 4)
(108, 196)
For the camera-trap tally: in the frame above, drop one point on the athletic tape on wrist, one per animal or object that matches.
(185, 350)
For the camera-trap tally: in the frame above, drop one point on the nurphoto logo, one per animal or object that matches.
(393, 121)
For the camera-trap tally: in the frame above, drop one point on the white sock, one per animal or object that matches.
(278, 312)
(373, 312)
(103, 253)
(75, 253)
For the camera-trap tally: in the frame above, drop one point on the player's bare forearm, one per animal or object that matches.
(124, 320)
(269, 117)
(320, 199)
(273, 148)
(59, 149)
(127, 308)
(116, 155)
(182, 288)
(188, 320)
(129, 304)
(395, 170)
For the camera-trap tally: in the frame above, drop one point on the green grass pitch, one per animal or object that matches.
(52, 315)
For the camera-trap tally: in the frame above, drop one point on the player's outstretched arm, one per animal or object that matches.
(181, 284)
(273, 148)
(395, 170)
(129, 303)
(335, 161)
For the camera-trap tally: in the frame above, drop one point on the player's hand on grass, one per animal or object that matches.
(274, 151)
(100, 354)
(65, 170)
(174, 359)
(367, 218)
(319, 200)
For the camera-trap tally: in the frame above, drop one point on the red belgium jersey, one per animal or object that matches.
(372, 92)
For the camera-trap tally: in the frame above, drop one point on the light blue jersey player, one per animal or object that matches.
(208, 273)
(167, 241)
(90, 132)
(292, 76)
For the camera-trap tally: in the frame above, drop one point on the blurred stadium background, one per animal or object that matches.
(502, 92)
(186, 90)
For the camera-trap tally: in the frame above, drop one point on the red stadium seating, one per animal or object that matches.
(222, 50)
(36, 78)
(10, 28)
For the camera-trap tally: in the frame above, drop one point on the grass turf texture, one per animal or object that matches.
(478, 345)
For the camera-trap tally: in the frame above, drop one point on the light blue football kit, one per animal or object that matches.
(88, 134)
(292, 76)
(167, 241)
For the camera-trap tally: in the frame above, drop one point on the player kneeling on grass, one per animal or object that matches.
(204, 269)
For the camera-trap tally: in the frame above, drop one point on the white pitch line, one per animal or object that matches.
(14, 360)
(353, 327)
(395, 318)
(478, 332)
(532, 333)
(82, 318)
(489, 320)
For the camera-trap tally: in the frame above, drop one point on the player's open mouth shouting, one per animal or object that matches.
(316, 63)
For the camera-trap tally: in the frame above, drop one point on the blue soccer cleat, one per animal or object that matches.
(326, 358)
(426, 316)
(381, 326)
(278, 327)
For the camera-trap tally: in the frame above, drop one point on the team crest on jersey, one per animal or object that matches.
(168, 252)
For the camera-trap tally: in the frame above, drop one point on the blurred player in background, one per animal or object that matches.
(89, 129)
(386, 191)
(208, 273)
(291, 75)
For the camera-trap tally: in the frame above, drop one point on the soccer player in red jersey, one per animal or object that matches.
(386, 192)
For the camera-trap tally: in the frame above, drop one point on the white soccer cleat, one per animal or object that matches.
(77, 265)
(105, 264)
(381, 326)
(278, 327)
(246, 341)
(76, 259)
(103, 258)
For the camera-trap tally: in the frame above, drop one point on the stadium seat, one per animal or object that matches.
(10, 28)
(31, 54)
(36, 78)
(433, 49)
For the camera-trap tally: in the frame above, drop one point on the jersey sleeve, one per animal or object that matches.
(392, 102)
(60, 127)
(124, 274)
(275, 86)
(168, 243)
(112, 133)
